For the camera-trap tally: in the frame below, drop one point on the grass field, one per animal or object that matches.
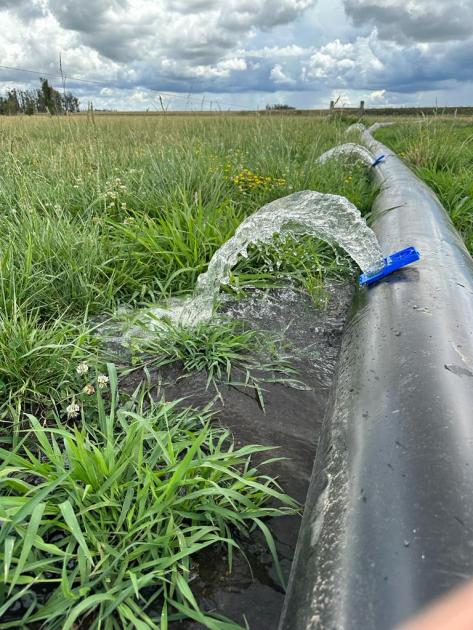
(105, 499)
(441, 152)
(128, 211)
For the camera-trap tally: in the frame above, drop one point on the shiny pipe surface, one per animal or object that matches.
(388, 521)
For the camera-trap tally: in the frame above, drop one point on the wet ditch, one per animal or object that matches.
(291, 421)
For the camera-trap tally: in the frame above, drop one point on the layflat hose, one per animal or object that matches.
(388, 521)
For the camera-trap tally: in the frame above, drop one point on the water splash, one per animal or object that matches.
(348, 150)
(356, 127)
(331, 218)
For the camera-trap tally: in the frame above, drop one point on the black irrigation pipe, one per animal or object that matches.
(388, 522)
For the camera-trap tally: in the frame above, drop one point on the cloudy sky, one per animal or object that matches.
(243, 53)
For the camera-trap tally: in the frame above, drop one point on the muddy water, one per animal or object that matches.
(292, 421)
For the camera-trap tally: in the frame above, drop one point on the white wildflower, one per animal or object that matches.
(82, 368)
(102, 381)
(72, 410)
(89, 389)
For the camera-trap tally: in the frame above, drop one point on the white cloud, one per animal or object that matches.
(278, 76)
(232, 64)
(390, 50)
(343, 99)
(160, 44)
(376, 98)
(416, 20)
(345, 61)
(276, 52)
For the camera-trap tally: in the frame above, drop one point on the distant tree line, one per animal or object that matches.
(278, 107)
(41, 101)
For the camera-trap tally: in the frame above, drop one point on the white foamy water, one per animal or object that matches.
(348, 150)
(356, 127)
(331, 218)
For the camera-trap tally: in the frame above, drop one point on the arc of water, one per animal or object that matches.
(356, 127)
(348, 150)
(331, 218)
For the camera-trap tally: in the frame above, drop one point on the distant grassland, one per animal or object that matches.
(342, 112)
(441, 152)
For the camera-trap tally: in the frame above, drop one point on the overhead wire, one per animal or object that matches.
(167, 94)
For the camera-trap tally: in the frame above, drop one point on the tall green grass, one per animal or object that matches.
(109, 517)
(104, 503)
(129, 210)
(441, 153)
(226, 350)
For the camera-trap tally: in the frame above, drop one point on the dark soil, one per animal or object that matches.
(291, 421)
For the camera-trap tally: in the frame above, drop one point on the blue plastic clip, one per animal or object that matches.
(391, 263)
(378, 160)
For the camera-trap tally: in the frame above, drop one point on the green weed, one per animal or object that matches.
(101, 521)
(37, 362)
(441, 153)
(131, 210)
(109, 517)
(226, 350)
